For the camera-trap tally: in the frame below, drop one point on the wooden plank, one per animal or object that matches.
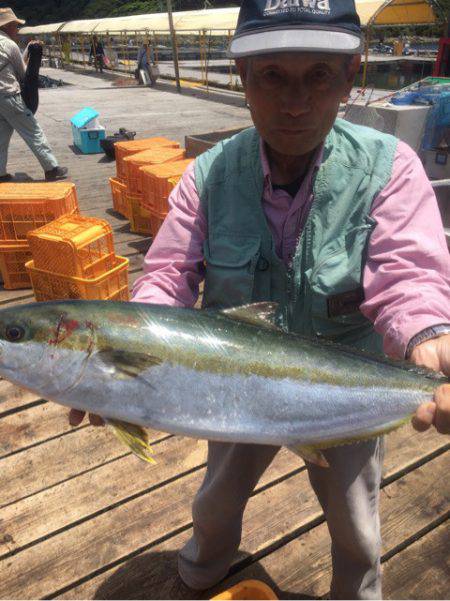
(32, 426)
(38, 516)
(303, 566)
(86, 547)
(421, 571)
(46, 465)
(300, 567)
(167, 509)
(13, 398)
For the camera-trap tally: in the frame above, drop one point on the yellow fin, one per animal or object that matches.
(134, 437)
(310, 454)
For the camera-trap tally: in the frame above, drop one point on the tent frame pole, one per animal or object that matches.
(174, 45)
(366, 58)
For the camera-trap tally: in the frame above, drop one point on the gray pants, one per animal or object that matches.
(14, 115)
(348, 491)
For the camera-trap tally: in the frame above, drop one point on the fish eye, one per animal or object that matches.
(14, 333)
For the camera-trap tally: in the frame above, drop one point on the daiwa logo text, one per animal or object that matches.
(282, 6)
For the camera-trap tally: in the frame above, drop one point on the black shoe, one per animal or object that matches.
(55, 174)
(5, 178)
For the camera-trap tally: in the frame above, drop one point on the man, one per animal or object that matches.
(339, 225)
(14, 115)
(146, 61)
(97, 54)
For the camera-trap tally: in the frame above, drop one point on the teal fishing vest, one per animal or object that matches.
(320, 293)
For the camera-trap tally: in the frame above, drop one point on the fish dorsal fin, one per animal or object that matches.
(256, 314)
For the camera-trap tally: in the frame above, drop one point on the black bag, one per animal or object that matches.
(30, 85)
(108, 143)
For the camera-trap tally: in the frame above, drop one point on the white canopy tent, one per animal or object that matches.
(220, 20)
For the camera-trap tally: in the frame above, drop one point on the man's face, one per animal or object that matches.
(294, 96)
(12, 29)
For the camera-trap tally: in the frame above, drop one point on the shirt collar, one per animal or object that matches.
(314, 166)
(5, 35)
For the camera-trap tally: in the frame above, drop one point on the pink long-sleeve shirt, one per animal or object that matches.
(406, 277)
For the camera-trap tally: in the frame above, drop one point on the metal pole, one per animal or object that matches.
(366, 60)
(174, 45)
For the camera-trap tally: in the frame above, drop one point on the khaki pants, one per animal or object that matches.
(14, 115)
(348, 491)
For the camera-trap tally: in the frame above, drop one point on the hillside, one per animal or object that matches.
(53, 11)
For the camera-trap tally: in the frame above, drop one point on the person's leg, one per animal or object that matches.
(5, 137)
(233, 472)
(24, 122)
(349, 492)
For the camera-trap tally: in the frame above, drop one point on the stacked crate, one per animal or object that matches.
(138, 215)
(24, 207)
(126, 149)
(74, 258)
(158, 181)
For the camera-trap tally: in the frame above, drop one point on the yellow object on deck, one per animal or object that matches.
(138, 215)
(112, 285)
(248, 589)
(118, 190)
(74, 245)
(126, 148)
(25, 207)
(12, 265)
(157, 182)
(152, 156)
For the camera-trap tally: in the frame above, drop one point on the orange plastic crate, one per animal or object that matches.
(118, 189)
(153, 156)
(113, 285)
(156, 221)
(74, 245)
(158, 183)
(124, 149)
(25, 207)
(12, 266)
(139, 217)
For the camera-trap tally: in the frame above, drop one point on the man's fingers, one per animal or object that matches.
(96, 420)
(76, 417)
(424, 416)
(442, 399)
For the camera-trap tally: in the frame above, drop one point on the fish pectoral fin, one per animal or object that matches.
(262, 315)
(126, 364)
(134, 437)
(310, 454)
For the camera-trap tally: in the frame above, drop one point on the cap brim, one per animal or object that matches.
(295, 40)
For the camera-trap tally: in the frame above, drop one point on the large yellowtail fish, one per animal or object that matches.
(227, 376)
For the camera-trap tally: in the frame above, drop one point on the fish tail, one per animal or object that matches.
(134, 437)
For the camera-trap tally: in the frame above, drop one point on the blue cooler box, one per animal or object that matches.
(87, 133)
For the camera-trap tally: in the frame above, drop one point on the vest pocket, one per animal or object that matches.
(231, 261)
(335, 284)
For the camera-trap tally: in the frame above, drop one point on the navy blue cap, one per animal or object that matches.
(266, 26)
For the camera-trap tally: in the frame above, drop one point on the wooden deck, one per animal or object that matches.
(81, 518)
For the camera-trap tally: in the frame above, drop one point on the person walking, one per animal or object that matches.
(14, 115)
(97, 54)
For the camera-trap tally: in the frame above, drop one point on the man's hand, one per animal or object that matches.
(76, 417)
(434, 354)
